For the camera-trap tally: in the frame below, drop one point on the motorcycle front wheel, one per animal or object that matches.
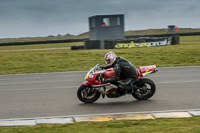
(145, 89)
(87, 94)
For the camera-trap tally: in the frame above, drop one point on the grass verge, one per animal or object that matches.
(182, 125)
(68, 60)
(16, 62)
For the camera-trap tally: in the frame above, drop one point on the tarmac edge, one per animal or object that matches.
(101, 117)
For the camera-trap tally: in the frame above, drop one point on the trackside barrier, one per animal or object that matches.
(42, 42)
(132, 42)
(77, 47)
(140, 42)
(85, 39)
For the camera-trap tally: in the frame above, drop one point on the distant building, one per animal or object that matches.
(172, 29)
(102, 27)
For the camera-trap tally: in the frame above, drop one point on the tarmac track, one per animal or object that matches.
(54, 94)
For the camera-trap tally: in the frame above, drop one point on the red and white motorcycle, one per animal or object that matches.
(92, 88)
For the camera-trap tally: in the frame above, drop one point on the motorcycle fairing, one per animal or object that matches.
(146, 70)
(106, 88)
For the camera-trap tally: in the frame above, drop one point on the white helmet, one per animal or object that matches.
(110, 58)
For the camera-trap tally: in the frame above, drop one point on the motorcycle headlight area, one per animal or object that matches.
(89, 76)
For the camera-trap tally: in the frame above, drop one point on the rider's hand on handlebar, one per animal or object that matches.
(102, 67)
(104, 80)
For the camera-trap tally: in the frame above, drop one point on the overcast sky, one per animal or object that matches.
(32, 18)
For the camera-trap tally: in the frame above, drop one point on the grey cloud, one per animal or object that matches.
(44, 17)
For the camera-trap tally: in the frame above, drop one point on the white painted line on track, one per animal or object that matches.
(46, 73)
(18, 123)
(143, 112)
(174, 82)
(174, 75)
(37, 82)
(55, 121)
(88, 70)
(33, 89)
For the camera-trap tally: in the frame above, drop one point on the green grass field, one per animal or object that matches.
(16, 62)
(182, 125)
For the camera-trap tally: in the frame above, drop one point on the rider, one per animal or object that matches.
(123, 68)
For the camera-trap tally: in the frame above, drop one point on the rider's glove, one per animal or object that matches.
(104, 80)
(101, 67)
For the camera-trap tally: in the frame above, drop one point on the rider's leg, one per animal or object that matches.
(125, 84)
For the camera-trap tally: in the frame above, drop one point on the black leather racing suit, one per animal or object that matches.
(124, 68)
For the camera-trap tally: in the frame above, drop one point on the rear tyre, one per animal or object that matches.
(87, 94)
(145, 89)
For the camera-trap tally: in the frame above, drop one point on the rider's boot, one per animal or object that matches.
(125, 88)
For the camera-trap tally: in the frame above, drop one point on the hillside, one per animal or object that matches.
(158, 31)
(144, 32)
(86, 35)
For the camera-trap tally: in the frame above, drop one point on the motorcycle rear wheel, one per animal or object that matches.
(87, 94)
(145, 89)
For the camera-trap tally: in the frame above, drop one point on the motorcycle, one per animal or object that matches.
(92, 88)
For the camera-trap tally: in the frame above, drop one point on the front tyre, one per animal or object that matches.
(87, 94)
(145, 89)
